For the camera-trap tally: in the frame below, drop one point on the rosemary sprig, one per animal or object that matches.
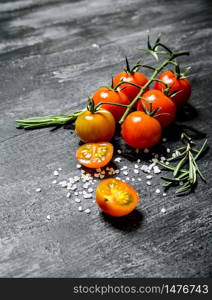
(186, 171)
(47, 121)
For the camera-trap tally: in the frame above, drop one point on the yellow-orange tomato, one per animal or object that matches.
(115, 197)
(95, 127)
(139, 130)
(95, 155)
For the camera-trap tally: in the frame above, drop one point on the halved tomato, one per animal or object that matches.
(115, 197)
(95, 155)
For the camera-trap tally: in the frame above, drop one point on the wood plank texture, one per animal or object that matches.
(49, 63)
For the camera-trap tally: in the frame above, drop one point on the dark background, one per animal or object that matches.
(49, 65)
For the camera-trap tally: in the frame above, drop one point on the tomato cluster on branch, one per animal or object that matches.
(154, 108)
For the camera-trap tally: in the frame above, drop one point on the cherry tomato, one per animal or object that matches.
(115, 197)
(105, 94)
(130, 90)
(95, 155)
(159, 100)
(95, 127)
(139, 130)
(181, 85)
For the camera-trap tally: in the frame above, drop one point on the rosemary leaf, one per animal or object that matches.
(184, 188)
(202, 149)
(180, 164)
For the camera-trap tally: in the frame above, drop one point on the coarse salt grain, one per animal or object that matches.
(76, 178)
(87, 196)
(136, 171)
(136, 166)
(151, 166)
(117, 159)
(149, 177)
(77, 200)
(125, 173)
(87, 211)
(156, 170)
(138, 160)
(55, 173)
(48, 217)
(78, 166)
(90, 190)
(80, 208)
(63, 183)
(74, 187)
(54, 181)
(59, 169)
(148, 182)
(164, 194)
(38, 190)
(124, 168)
(139, 179)
(145, 169)
(168, 150)
(163, 210)
(68, 195)
(157, 191)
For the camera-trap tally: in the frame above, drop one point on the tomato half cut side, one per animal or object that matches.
(115, 197)
(95, 155)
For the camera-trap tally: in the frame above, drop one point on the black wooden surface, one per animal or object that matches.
(49, 63)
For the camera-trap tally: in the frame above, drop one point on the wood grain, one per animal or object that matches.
(49, 64)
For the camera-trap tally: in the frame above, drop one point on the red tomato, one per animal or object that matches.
(181, 85)
(159, 100)
(105, 94)
(130, 90)
(139, 130)
(96, 126)
(95, 155)
(115, 197)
